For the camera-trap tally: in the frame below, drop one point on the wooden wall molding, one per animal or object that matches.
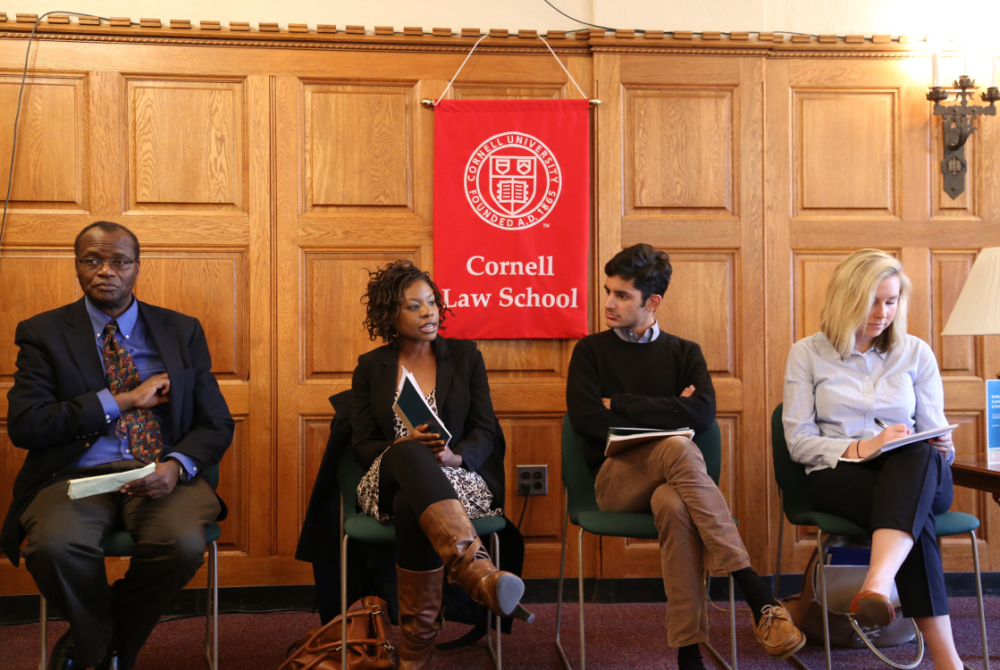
(298, 35)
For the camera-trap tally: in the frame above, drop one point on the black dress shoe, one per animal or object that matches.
(62, 654)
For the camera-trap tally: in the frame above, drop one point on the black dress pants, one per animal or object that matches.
(902, 489)
(64, 556)
(409, 481)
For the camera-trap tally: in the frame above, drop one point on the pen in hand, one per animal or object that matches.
(880, 423)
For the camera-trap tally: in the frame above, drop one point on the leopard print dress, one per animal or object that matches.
(470, 486)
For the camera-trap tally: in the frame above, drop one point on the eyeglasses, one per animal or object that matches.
(95, 264)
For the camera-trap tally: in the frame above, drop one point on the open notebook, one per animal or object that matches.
(922, 436)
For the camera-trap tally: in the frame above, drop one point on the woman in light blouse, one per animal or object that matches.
(860, 371)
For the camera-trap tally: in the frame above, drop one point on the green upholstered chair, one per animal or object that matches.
(581, 508)
(793, 493)
(358, 526)
(120, 543)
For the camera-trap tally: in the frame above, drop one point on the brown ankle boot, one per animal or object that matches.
(420, 615)
(450, 532)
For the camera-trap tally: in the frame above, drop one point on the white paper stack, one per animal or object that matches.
(89, 486)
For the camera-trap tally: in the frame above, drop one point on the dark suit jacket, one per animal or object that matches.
(54, 412)
(463, 403)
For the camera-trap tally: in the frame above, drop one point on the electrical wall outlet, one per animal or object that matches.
(534, 478)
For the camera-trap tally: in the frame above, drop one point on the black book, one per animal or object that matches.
(412, 409)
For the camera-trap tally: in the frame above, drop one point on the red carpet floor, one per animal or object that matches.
(619, 637)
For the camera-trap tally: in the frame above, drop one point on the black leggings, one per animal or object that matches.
(410, 480)
(903, 490)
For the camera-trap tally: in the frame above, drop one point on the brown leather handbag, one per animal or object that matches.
(368, 645)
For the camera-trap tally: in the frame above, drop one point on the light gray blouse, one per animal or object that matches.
(829, 402)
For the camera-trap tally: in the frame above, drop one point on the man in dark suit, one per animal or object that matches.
(104, 385)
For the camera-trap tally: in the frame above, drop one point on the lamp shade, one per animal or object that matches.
(977, 311)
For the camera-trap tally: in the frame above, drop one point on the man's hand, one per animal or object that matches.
(152, 392)
(606, 402)
(157, 485)
(688, 392)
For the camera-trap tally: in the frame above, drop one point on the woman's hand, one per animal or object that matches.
(447, 457)
(420, 434)
(890, 433)
(943, 444)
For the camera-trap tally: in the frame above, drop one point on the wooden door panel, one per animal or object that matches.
(41, 280)
(335, 336)
(682, 152)
(358, 147)
(700, 306)
(50, 164)
(186, 144)
(958, 355)
(845, 153)
(210, 286)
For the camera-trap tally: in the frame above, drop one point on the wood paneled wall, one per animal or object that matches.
(264, 178)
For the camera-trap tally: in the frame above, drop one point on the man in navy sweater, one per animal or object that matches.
(638, 375)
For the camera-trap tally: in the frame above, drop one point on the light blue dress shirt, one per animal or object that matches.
(629, 335)
(829, 402)
(135, 338)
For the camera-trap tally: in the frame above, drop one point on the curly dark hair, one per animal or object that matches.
(386, 287)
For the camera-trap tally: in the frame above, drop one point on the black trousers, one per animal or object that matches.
(410, 480)
(64, 556)
(903, 490)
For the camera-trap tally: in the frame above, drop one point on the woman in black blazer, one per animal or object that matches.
(430, 488)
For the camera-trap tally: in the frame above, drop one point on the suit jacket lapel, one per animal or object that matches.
(83, 345)
(165, 339)
(445, 371)
(384, 386)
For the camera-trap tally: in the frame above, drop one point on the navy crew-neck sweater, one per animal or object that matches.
(644, 382)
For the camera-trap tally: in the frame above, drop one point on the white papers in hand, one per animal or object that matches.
(922, 436)
(89, 486)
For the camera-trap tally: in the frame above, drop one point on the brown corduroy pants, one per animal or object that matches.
(696, 530)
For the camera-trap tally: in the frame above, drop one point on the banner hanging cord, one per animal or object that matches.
(562, 66)
(433, 103)
(467, 57)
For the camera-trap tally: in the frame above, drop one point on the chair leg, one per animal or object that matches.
(822, 587)
(732, 625)
(343, 600)
(781, 537)
(562, 577)
(979, 596)
(496, 651)
(43, 630)
(579, 579)
(212, 611)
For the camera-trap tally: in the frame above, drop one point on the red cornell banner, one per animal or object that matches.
(511, 212)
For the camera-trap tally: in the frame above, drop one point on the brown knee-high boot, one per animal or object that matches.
(420, 615)
(450, 532)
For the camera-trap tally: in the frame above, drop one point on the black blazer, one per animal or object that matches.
(463, 403)
(54, 413)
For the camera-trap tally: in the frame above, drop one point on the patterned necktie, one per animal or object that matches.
(139, 425)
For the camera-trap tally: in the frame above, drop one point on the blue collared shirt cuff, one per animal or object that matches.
(187, 462)
(110, 405)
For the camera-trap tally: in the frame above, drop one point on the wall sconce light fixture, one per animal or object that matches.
(958, 121)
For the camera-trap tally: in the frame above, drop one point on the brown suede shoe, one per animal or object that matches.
(777, 634)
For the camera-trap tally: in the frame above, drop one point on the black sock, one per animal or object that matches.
(689, 658)
(755, 591)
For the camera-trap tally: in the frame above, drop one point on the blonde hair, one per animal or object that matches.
(851, 294)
